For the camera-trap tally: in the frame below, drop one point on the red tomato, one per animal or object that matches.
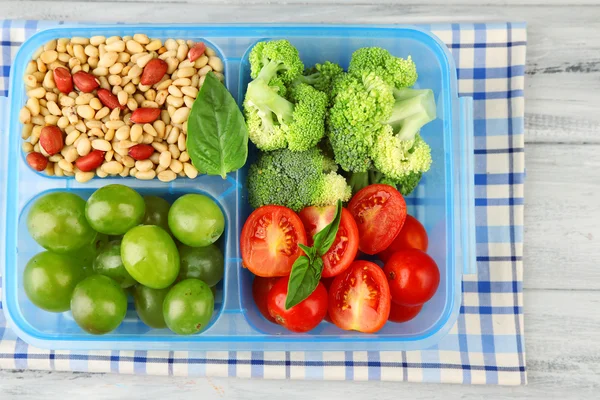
(345, 246)
(413, 277)
(260, 292)
(305, 315)
(379, 212)
(269, 241)
(399, 313)
(411, 236)
(359, 298)
(327, 283)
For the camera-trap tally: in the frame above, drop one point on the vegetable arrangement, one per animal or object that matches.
(329, 133)
(307, 270)
(117, 240)
(324, 134)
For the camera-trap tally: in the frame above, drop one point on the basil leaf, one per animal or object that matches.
(217, 139)
(326, 236)
(311, 252)
(304, 279)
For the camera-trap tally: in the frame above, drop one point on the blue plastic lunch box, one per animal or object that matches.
(443, 202)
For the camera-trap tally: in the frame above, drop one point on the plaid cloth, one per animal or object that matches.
(486, 345)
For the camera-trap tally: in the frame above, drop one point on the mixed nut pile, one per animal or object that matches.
(113, 106)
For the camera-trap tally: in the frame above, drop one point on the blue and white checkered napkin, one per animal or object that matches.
(485, 346)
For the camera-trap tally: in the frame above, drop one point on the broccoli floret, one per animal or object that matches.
(322, 76)
(275, 58)
(395, 71)
(397, 158)
(274, 122)
(307, 125)
(295, 180)
(405, 185)
(359, 104)
(372, 124)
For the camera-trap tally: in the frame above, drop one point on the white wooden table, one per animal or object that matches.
(562, 214)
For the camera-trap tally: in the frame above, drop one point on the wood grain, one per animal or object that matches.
(563, 71)
(562, 233)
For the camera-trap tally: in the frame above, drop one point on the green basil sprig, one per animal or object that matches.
(217, 139)
(307, 269)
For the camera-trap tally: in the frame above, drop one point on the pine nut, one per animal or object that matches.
(84, 98)
(71, 154)
(176, 166)
(97, 40)
(147, 138)
(65, 165)
(58, 171)
(109, 155)
(190, 171)
(134, 47)
(27, 147)
(160, 147)
(101, 144)
(174, 101)
(215, 63)
(85, 111)
(112, 167)
(84, 147)
(180, 116)
(132, 104)
(143, 60)
(154, 45)
(83, 177)
(184, 157)
(39, 119)
(201, 62)
(103, 112)
(144, 165)
(114, 124)
(72, 137)
(123, 132)
(96, 104)
(181, 142)
(141, 38)
(190, 91)
(135, 71)
(128, 161)
(25, 115)
(30, 81)
(167, 176)
(26, 132)
(145, 175)
(49, 56)
(80, 40)
(172, 64)
(38, 92)
(182, 82)
(48, 81)
(165, 159)
(51, 119)
(126, 144)
(136, 133)
(204, 70)
(117, 46)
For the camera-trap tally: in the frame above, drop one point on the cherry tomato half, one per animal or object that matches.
(399, 313)
(413, 277)
(270, 239)
(260, 292)
(379, 212)
(345, 246)
(359, 298)
(411, 236)
(302, 317)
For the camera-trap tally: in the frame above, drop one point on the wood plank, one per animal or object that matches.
(562, 354)
(562, 233)
(563, 72)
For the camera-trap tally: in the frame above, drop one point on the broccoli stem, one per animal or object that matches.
(413, 109)
(267, 100)
(269, 70)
